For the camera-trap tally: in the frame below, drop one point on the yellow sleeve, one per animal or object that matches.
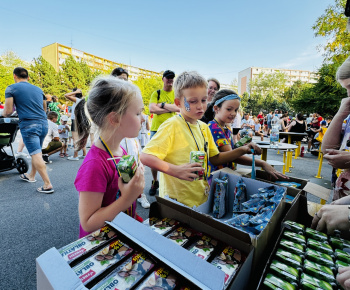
(161, 142)
(154, 98)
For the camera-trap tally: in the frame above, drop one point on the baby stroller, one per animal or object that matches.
(8, 131)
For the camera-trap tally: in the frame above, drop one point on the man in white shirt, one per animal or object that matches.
(247, 126)
(51, 142)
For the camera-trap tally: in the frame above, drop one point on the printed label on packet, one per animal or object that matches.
(96, 264)
(198, 157)
(162, 278)
(203, 247)
(181, 235)
(76, 249)
(127, 167)
(127, 274)
(164, 226)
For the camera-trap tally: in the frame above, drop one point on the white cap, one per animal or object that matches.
(64, 118)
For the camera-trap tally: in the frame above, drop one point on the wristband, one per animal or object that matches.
(162, 105)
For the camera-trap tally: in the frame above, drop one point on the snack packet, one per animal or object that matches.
(181, 235)
(318, 271)
(342, 256)
(164, 226)
(86, 244)
(319, 246)
(243, 141)
(292, 247)
(296, 238)
(273, 282)
(240, 195)
(228, 261)
(93, 266)
(160, 279)
(127, 274)
(151, 221)
(289, 259)
(203, 247)
(308, 282)
(198, 157)
(219, 209)
(294, 227)
(127, 167)
(319, 258)
(339, 243)
(285, 272)
(316, 235)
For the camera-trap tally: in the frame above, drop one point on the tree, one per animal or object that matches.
(147, 86)
(265, 84)
(332, 26)
(8, 61)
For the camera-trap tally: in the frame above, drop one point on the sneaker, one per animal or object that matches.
(46, 158)
(154, 187)
(73, 158)
(81, 156)
(143, 200)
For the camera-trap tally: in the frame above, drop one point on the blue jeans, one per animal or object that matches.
(33, 135)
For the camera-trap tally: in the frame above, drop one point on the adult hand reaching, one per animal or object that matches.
(343, 277)
(338, 159)
(330, 218)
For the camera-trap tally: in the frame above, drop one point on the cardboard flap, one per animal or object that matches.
(54, 267)
(178, 258)
(317, 190)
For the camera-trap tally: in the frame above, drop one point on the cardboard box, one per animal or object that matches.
(197, 221)
(54, 273)
(262, 242)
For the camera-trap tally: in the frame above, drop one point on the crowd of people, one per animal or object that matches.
(190, 113)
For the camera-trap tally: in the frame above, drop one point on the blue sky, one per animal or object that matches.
(216, 38)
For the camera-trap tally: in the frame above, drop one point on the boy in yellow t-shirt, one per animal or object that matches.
(169, 150)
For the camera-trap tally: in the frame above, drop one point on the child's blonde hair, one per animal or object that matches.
(186, 80)
(107, 94)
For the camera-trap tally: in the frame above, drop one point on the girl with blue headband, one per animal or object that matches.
(220, 114)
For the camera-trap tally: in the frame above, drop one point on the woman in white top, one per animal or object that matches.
(75, 96)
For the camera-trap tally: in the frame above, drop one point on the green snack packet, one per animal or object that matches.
(342, 256)
(296, 238)
(319, 246)
(338, 243)
(273, 282)
(311, 283)
(319, 258)
(292, 247)
(316, 235)
(318, 271)
(284, 271)
(243, 141)
(289, 258)
(127, 167)
(339, 264)
(198, 157)
(294, 227)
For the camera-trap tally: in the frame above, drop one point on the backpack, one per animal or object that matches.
(158, 92)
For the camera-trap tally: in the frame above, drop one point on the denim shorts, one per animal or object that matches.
(152, 134)
(33, 136)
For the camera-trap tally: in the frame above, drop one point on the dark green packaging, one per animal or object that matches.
(290, 246)
(319, 271)
(316, 235)
(319, 258)
(127, 167)
(338, 243)
(342, 256)
(339, 264)
(319, 246)
(273, 282)
(294, 227)
(290, 259)
(296, 238)
(285, 272)
(311, 283)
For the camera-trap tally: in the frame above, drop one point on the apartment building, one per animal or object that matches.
(56, 54)
(293, 75)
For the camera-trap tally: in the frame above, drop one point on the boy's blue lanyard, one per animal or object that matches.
(205, 143)
(129, 211)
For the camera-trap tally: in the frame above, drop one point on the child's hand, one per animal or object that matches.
(130, 191)
(187, 171)
(252, 145)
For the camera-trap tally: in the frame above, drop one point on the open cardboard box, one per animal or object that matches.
(55, 273)
(262, 242)
(202, 223)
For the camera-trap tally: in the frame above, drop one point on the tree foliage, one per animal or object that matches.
(147, 86)
(332, 26)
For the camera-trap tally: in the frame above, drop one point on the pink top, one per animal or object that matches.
(97, 174)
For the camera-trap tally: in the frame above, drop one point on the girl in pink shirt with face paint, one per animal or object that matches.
(115, 107)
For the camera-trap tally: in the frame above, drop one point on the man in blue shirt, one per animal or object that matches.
(31, 107)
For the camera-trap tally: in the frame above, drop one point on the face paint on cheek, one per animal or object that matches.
(187, 105)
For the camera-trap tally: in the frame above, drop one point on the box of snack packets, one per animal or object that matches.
(206, 239)
(241, 208)
(135, 256)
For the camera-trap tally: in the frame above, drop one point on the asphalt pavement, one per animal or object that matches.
(33, 222)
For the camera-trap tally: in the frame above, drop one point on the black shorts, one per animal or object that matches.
(72, 127)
